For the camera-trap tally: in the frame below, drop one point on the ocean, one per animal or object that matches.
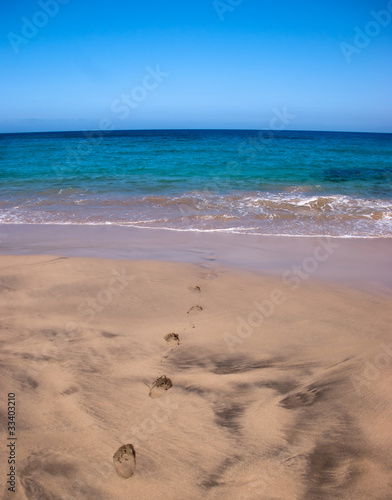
(257, 182)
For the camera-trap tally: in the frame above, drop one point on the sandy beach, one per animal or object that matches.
(279, 385)
(196, 250)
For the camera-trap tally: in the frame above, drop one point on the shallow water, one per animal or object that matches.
(277, 183)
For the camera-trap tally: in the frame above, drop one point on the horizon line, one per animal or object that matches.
(108, 132)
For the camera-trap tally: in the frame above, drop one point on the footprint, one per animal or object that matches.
(124, 461)
(108, 335)
(194, 289)
(71, 390)
(195, 309)
(299, 399)
(172, 339)
(209, 276)
(159, 387)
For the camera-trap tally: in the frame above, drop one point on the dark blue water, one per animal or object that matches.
(293, 183)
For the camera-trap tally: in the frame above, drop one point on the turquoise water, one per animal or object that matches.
(286, 183)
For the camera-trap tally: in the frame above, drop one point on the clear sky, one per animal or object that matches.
(96, 64)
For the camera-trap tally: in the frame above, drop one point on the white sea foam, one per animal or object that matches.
(278, 213)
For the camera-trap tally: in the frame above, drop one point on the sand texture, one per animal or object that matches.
(227, 384)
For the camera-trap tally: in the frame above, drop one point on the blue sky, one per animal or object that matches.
(222, 64)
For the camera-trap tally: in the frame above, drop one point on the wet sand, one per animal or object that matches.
(229, 383)
(365, 263)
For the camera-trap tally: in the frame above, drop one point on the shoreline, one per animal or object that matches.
(194, 230)
(360, 262)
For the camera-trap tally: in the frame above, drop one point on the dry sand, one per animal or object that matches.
(276, 393)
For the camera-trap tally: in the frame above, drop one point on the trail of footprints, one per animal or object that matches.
(124, 459)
